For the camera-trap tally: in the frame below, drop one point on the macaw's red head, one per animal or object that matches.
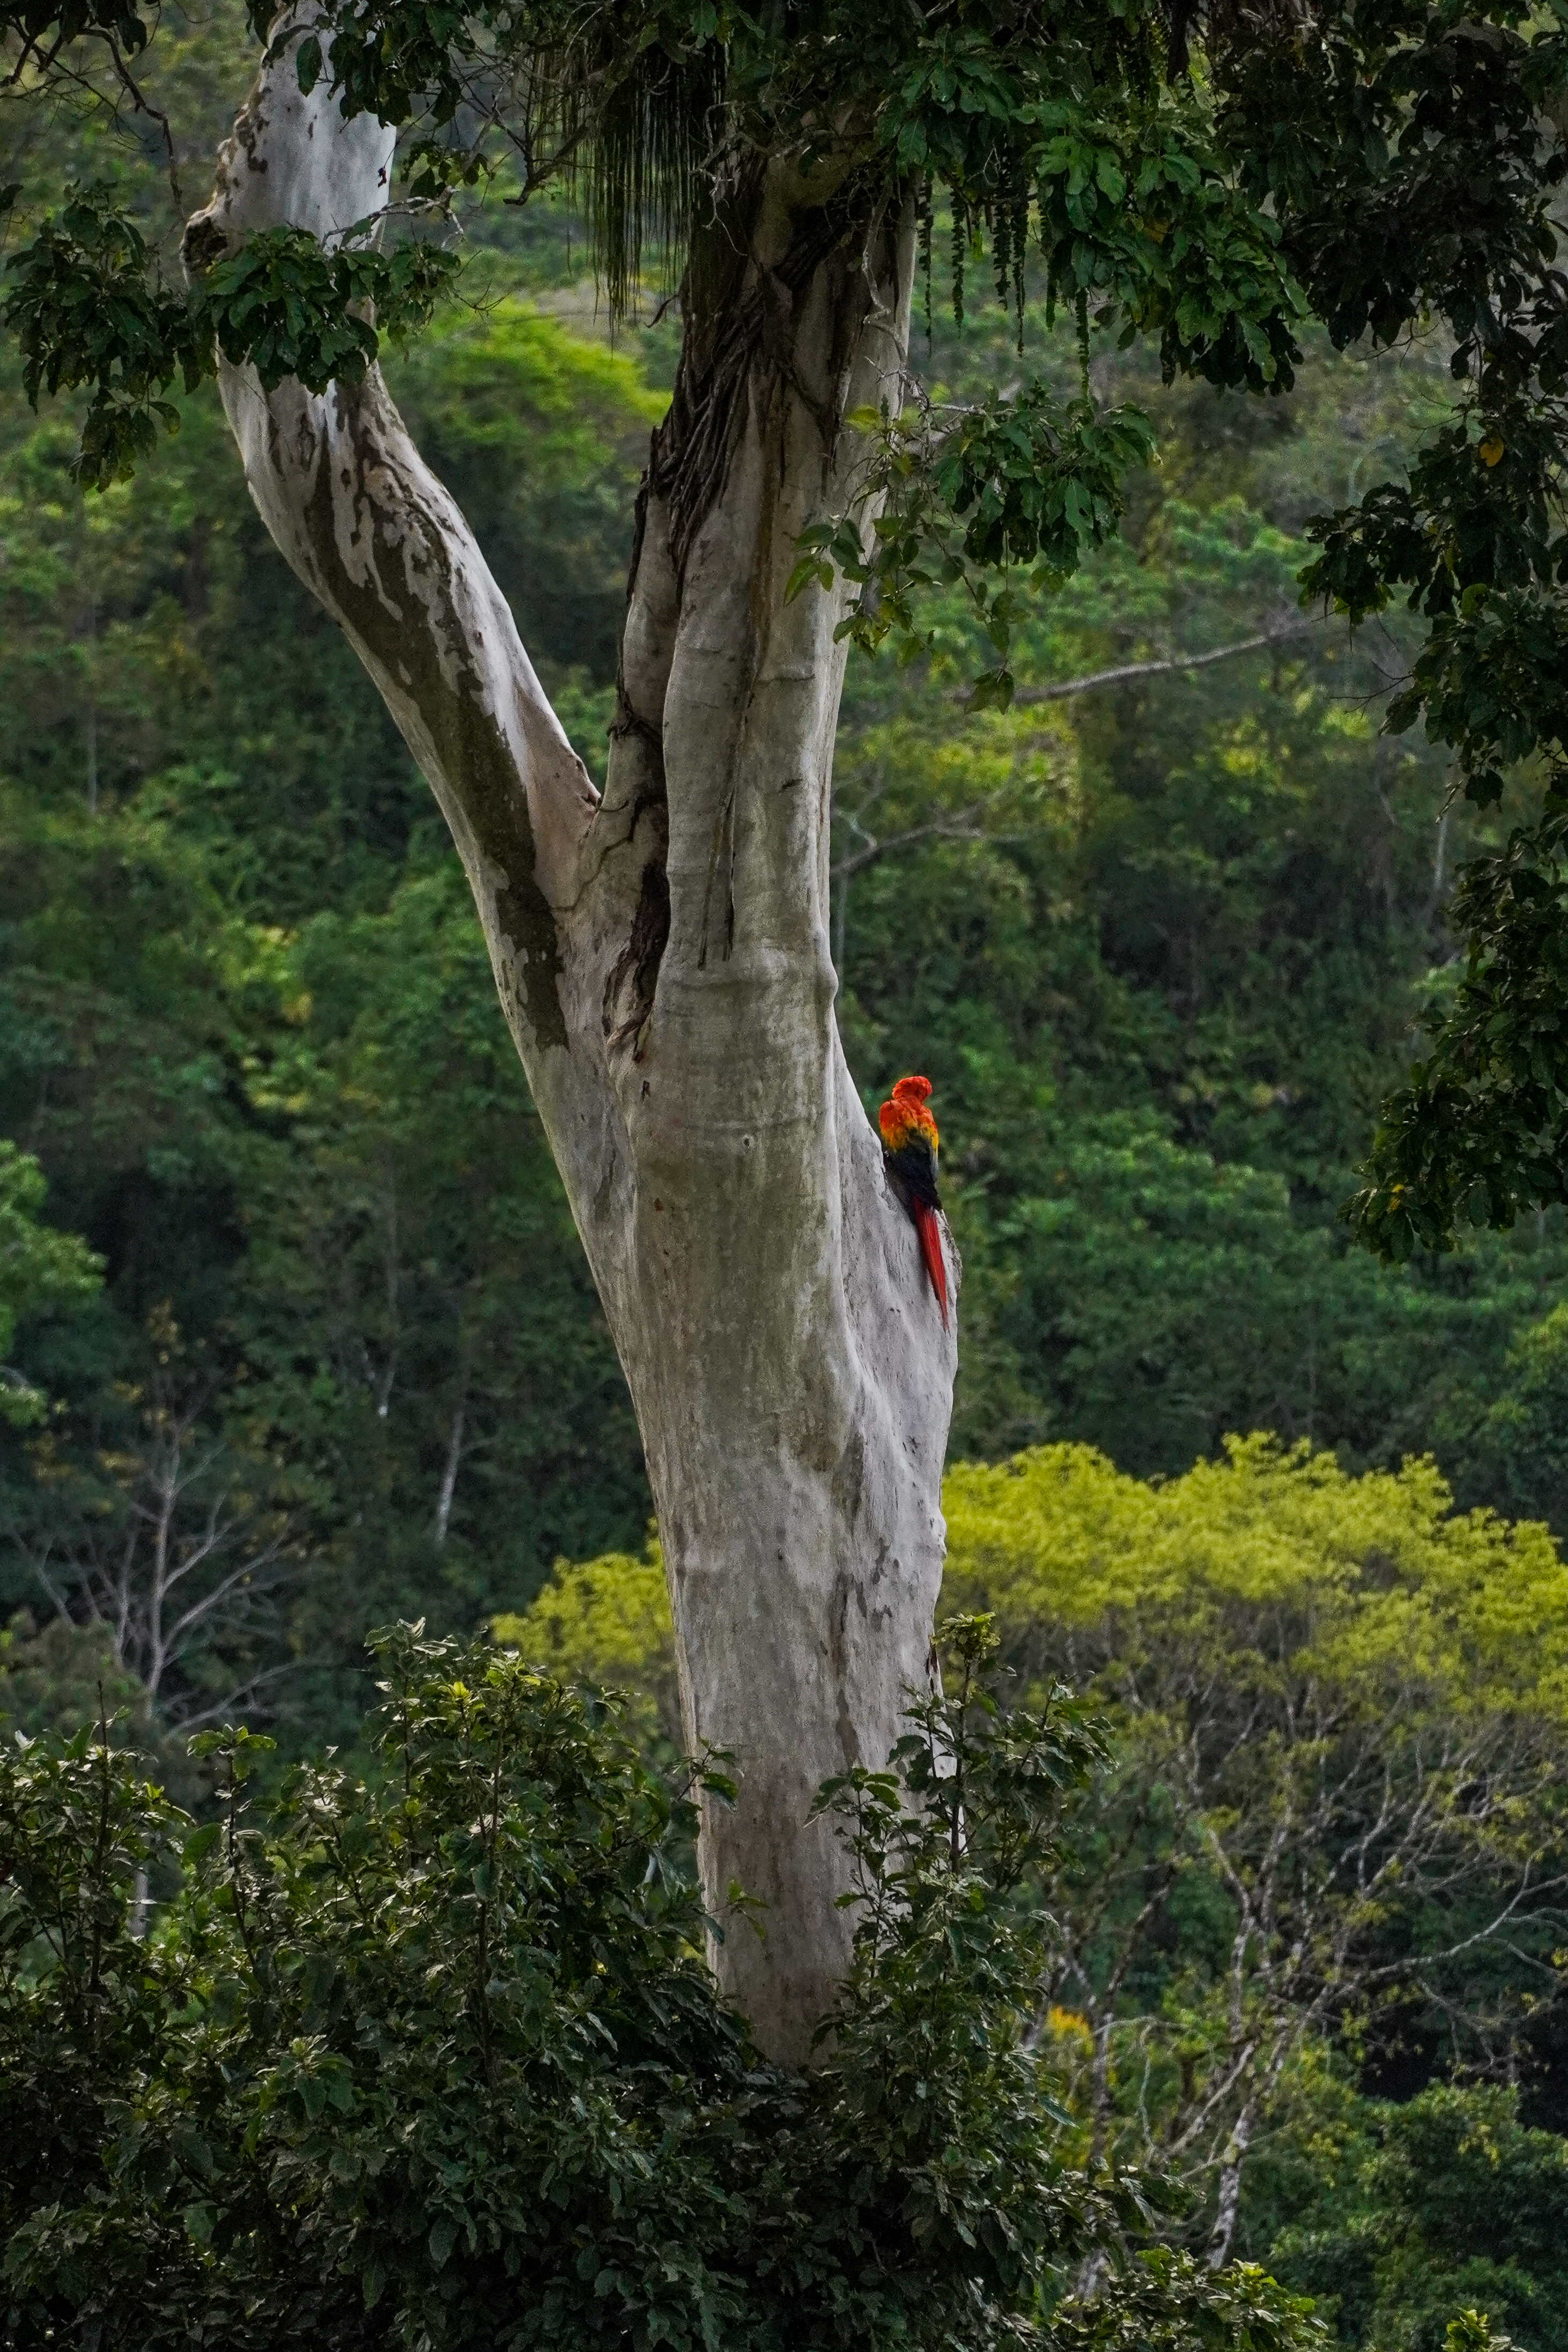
(903, 1116)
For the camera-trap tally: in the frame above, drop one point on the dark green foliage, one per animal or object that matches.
(1519, 1449)
(60, 1677)
(42, 1273)
(941, 1843)
(1027, 480)
(292, 309)
(1446, 2202)
(1170, 2303)
(39, 28)
(1065, 136)
(83, 2003)
(86, 310)
(1482, 1124)
(1403, 149)
(1413, 157)
(431, 2059)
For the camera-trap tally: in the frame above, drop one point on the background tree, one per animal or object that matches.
(1338, 1772)
(173, 1543)
(1449, 2198)
(59, 1677)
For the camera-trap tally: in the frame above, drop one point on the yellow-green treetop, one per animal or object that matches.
(1372, 1572)
(1376, 1572)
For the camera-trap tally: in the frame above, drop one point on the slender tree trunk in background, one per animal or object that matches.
(449, 1474)
(1228, 2205)
(663, 959)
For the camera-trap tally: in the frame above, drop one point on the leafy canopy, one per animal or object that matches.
(86, 310)
(430, 2057)
(1357, 1581)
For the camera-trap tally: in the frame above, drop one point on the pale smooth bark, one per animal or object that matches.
(662, 958)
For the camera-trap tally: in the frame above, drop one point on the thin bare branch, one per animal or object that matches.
(1064, 690)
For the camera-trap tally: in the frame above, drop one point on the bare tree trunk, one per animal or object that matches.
(449, 1471)
(1229, 2203)
(663, 959)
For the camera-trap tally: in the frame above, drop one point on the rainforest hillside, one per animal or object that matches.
(1160, 941)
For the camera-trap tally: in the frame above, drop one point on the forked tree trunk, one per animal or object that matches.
(662, 958)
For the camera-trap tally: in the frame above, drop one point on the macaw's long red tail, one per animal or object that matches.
(931, 1250)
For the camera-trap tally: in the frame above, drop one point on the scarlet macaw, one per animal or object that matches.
(909, 1154)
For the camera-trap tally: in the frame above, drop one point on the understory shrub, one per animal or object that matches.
(433, 2059)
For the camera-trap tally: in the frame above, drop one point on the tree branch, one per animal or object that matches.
(360, 517)
(1065, 689)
